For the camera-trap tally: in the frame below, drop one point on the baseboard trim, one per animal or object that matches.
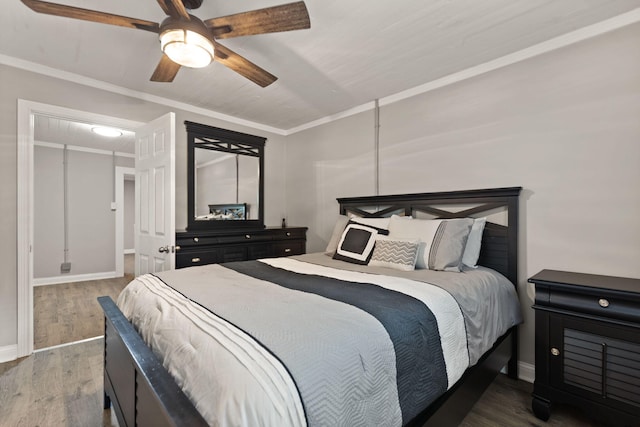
(526, 372)
(8, 353)
(56, 280)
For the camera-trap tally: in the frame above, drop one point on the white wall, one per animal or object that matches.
(565, 126)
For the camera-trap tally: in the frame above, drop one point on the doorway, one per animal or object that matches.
(27, 111)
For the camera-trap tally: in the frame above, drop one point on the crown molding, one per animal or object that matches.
(550, 45)
(109, 87)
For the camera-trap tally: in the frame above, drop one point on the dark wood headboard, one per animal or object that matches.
(499, 241)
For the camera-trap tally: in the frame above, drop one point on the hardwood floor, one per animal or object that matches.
(63, 387)
(69, 312)
(57, 387)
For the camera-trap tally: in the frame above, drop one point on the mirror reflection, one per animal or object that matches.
(226, 186)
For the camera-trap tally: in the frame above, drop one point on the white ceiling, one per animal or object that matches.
(55, 130)
(355, 52)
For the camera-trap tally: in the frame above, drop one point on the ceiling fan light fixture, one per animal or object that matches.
(186, 47)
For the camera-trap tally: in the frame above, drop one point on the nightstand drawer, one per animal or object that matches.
(597, 303)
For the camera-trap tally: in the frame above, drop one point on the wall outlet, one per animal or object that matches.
(65, 267)
(114, 206)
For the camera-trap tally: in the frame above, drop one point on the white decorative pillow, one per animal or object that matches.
(374, 222)
(396, 254)
(442, 241)
(338, 229)
(356, 244)
(472, 249)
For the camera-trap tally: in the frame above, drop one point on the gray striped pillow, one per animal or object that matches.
(396, 254)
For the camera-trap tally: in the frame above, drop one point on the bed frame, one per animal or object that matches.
(143, 393)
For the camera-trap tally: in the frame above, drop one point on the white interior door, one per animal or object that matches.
(155, 196)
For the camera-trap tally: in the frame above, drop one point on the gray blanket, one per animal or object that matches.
(356, 352)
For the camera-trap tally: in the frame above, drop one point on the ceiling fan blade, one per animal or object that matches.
(90, 15)
(165, 71)
(242, 66)
(286, 17)
(174, 8)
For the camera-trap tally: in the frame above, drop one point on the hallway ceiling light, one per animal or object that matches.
(105, 131)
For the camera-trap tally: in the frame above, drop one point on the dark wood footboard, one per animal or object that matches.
(140, 390)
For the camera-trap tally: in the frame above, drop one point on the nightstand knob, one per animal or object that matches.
(247, 236)
(288, 234)
(603, 303)
(195, 239)
(555, 351)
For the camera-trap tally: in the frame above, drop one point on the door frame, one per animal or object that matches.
(25, 203)
(122, 173)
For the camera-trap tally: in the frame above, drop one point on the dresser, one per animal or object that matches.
(211, 247)
(587, 345)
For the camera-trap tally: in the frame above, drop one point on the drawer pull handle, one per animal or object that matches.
(603, 303)
(195, 259)
(247, 236)
(195, 239)
(555, 351)
(287, 250)
(288, 233)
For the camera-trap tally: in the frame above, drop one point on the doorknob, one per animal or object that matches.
(163, 249)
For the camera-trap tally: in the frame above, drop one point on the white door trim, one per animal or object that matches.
(121, 174)
(25, 176)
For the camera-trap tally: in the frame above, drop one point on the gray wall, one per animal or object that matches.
(20, 84)
(91, 222)
(565, 126)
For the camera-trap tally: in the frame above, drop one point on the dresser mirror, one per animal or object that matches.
(225, 178)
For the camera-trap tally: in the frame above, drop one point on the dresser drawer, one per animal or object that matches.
(596, 303)
(195, 241)
(294, 247)
(234, 253)
(194, 258)
(290, 234)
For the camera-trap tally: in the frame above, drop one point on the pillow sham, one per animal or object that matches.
(356, 244)
(338, 229)
(397, 254)
(442, 240)
(472, 249)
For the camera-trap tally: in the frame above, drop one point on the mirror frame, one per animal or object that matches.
(231, 142)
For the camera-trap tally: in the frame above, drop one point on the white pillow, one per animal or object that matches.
(338, 229)
(374, 222)
(472, 249)
(442, 241)
(396, 254)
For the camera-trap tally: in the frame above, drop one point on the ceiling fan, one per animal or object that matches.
(188, 41)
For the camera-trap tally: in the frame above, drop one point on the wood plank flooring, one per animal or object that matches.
(57, 387)
(63, 387)
(69, 312)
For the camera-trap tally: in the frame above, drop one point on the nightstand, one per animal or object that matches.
(587, 346)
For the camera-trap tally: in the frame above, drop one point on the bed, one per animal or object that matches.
(266, 334)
